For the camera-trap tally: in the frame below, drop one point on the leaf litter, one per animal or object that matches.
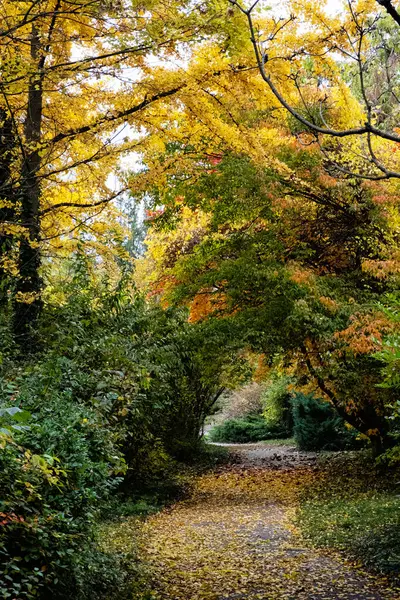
(235, 538)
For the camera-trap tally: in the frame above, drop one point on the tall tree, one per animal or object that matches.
(294, 265)
(75, 94)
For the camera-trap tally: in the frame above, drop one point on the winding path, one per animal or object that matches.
(234, 539)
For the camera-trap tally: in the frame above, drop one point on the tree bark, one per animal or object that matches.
(27, 299)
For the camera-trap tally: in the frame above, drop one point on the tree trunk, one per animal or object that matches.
(365, 421)
(27, 299)
(377, 445)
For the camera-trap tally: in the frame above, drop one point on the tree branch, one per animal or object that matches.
(368, 129)
(387, 4)
(116, 116)
(324, 388)
(45, 211)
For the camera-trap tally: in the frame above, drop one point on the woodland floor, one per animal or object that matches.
(235, 538)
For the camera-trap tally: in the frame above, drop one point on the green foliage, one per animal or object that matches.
(389, 355)
(384, 53)
(11, 419)
(277, 402)
(121, 390)
(353, 507)
(252, 428)
(317, 426)
(317, 113)
(23, 475)
(55, 475)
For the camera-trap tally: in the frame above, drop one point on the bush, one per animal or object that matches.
(277, 404)
(56, 472)
(317, 426)
(253, 428)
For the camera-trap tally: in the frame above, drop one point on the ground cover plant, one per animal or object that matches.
(252, 428)
(354, 507)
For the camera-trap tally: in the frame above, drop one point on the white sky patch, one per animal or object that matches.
(335, 6)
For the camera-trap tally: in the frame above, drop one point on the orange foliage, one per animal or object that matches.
(153, 214)
(160, 288)
(382, 269)
(206, 303)
(364, 334)
(6, 519)
(327, 181)
(214, 159)
(328, 303)
(301, 276)
(261, 370)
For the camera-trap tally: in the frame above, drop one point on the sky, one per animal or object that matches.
(335, 5)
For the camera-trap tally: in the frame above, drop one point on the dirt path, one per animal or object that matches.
(235, 539)
(266, 456)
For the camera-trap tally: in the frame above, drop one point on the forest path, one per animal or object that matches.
(234, 539)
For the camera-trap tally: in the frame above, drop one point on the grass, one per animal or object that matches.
(353, 507)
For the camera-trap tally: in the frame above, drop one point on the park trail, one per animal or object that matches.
(235, 538)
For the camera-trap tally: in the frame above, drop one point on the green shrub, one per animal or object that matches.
(56, 471)
(277, 404)
(317, 426)
(253, 428)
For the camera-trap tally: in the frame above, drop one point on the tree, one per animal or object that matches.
(293, 270)
(313, 92)
(76, 90)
